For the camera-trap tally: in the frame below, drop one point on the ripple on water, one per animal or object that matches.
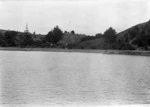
(78, 78)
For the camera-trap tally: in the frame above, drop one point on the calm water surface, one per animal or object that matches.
(61, 78)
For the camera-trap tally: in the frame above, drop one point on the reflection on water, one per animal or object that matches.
(73, 78)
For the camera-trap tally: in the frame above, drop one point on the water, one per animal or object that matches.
(61, 78)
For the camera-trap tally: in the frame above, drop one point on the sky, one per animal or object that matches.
(83, 16)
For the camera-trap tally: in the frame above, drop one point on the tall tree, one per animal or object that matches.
(110, 35)
(54, 35)
(28, 40)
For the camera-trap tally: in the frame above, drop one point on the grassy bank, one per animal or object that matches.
(123, 52)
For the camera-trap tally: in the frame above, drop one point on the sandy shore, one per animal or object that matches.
(123, 52)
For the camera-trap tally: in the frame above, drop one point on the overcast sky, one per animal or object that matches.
(83, 16)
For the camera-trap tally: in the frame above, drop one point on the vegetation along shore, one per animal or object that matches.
(132, 41)
(121, 52)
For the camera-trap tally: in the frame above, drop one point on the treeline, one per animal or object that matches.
(13, 39)
(56, 38)
(26, 39)
(109, 36)
(107, 40)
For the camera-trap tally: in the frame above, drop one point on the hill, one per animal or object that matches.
(134, 38)
(137, 36)
(3, 31)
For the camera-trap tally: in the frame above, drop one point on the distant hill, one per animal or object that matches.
(3, 31)
(35, 36)
(125, 32)
(137, 36)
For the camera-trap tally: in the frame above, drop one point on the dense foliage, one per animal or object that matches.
(54, 35)
(110, 35)
(137, 37)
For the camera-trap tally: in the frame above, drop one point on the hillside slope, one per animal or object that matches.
(137, 36)
(2, 31)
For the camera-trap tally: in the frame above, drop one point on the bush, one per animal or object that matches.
(93, 47)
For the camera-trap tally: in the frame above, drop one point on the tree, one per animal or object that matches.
(65, 32)
(34, 33)
(99, 35)
(25, 40)
(86, 38)
(110, 35)
(54, 35)
(72, 32)
(37, 43)
(10, 37)
(2, 40)
(28, 39)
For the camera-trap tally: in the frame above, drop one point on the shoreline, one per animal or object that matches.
(119, 52)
